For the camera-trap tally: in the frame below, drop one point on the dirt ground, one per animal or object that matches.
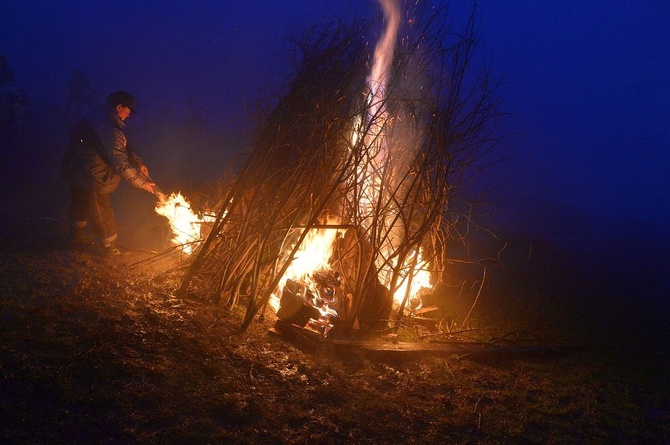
(104, 350)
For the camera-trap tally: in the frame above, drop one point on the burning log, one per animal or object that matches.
(311, 307)
(306, 314)
(294, 307)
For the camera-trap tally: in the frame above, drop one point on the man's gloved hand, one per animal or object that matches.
(149, 187)
(159, 194)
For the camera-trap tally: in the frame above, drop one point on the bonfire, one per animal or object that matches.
(341, 215)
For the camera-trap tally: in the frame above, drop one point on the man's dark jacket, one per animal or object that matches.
(97, 156)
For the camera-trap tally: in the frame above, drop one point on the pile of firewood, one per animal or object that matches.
(320, 144)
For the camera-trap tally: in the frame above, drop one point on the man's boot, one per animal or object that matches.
(109, 249)
(79, 236)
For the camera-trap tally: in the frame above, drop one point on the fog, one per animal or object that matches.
(585, 85)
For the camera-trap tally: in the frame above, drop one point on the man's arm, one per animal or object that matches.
(120, 161)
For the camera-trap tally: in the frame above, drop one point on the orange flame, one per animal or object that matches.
(313, 254)
(185, 224)
(420, 279)
(413, 275)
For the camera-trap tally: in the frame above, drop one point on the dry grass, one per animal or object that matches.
(99, 351)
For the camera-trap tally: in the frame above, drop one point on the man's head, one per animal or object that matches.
(123, 103)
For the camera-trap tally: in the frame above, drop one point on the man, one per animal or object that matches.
(96, 159)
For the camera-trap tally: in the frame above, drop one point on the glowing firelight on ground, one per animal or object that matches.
(186, 225)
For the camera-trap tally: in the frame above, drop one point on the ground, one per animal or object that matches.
(104, 350)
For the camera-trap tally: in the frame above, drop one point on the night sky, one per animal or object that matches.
(587, 84)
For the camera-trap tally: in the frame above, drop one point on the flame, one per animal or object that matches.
(185, 224)
(380, 73)
(417, 277)
(413, 274)
(420, 278)
(383, 57)
(313, 254)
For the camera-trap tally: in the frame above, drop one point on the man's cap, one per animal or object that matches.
(124, 98)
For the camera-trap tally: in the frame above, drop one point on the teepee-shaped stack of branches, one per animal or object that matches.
(386, 169)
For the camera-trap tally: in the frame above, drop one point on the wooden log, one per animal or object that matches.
(461, 350)
(304, 339)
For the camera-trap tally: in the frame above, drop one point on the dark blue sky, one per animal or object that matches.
(588, 82)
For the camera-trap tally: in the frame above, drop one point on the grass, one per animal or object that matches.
(95, 350)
